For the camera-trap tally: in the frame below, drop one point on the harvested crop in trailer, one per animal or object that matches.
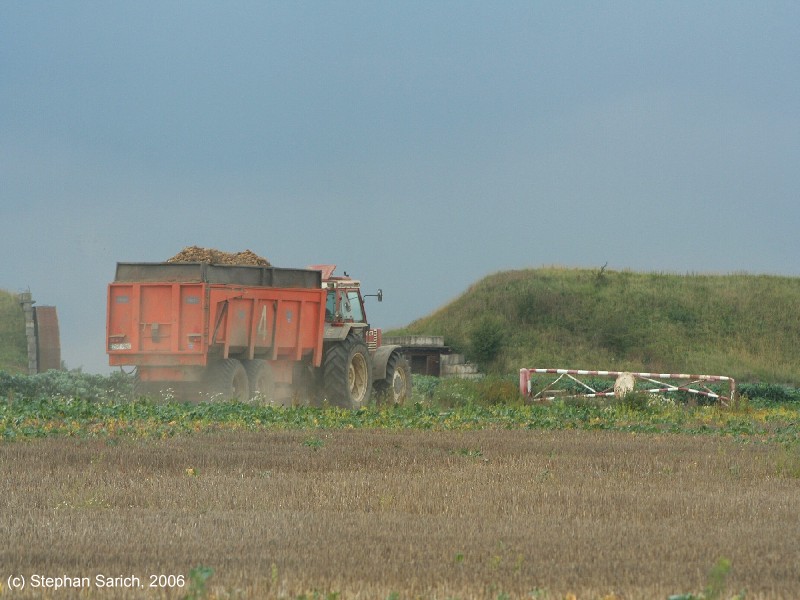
(194, 254)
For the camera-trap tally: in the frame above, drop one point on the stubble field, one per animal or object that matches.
(404, 514)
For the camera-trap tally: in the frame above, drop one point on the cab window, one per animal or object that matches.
(351, 307)
(330, 305)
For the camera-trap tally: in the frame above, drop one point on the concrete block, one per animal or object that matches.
(459, 370)
(451, 359)
(414, 340)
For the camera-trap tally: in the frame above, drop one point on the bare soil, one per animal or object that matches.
(378, 514)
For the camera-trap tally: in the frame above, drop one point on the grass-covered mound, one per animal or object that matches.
(13, 344)
(743, 326)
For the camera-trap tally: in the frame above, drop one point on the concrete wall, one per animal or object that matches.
(42, 333)
(26, 301)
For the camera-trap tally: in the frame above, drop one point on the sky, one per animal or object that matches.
(419, 145)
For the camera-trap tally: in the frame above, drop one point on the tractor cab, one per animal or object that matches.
(345, 304)
(344, 307)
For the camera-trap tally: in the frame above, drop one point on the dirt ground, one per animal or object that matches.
(379, 514)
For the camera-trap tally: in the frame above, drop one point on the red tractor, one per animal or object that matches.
(352, 347)
(288, 336)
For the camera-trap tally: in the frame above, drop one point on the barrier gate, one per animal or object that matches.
(624, 382)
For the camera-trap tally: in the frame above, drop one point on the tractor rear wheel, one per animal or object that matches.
(261, 380)
(396, 387)
(228, 380)
(347, 373)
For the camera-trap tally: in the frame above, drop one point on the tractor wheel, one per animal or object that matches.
(396, 387)
(227, 380)
(347, 373)
(261, 380)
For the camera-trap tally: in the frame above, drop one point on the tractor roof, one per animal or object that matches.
(327, 276)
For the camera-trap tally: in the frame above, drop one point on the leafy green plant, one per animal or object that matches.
(198, 582)
(716, 584)
(456, 404)
(314, 443)
(788, 462)
(424, 386)
(470, 452)
(634, 400)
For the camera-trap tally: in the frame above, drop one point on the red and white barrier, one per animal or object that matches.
(692, 380)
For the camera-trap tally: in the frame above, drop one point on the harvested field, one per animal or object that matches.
(379, 514)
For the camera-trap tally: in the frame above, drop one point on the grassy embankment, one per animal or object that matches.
(743, 326)
(13, 344)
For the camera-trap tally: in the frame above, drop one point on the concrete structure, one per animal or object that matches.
(428, 355)
(42, 333)
(454, 365)
(48, 341)
(26, 301)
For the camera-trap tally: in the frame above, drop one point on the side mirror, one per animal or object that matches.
(379, 295)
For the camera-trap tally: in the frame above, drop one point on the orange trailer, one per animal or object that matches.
(197, 327)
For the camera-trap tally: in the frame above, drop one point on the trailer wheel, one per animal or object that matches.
(261, 380)
(159, 391)
(148, 389)
(347, 373)
(227, 379)
(396, 387)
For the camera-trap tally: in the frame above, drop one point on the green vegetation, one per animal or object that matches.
(78, 405)
(13, 344)
(715, 588)
(73, 385)
(503, 480)
(743, 326)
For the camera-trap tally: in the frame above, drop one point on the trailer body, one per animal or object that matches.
(173, 321)
(285, 335)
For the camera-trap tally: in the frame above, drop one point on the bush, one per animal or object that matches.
(485, 391)
(67, 384)
(769, 391)
(455, 392)
(498, 390)
(486, 340)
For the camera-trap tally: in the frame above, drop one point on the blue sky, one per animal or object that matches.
(418, 145)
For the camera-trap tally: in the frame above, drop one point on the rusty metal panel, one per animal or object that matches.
(248, 275)
(48, 339)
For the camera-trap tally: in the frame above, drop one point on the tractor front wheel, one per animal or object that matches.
(395, 388)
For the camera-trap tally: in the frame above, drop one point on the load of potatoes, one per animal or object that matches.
(195, 254)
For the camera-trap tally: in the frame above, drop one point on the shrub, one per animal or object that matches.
(498, 390)
(486, 340)
(770, 391)
(68, 384)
